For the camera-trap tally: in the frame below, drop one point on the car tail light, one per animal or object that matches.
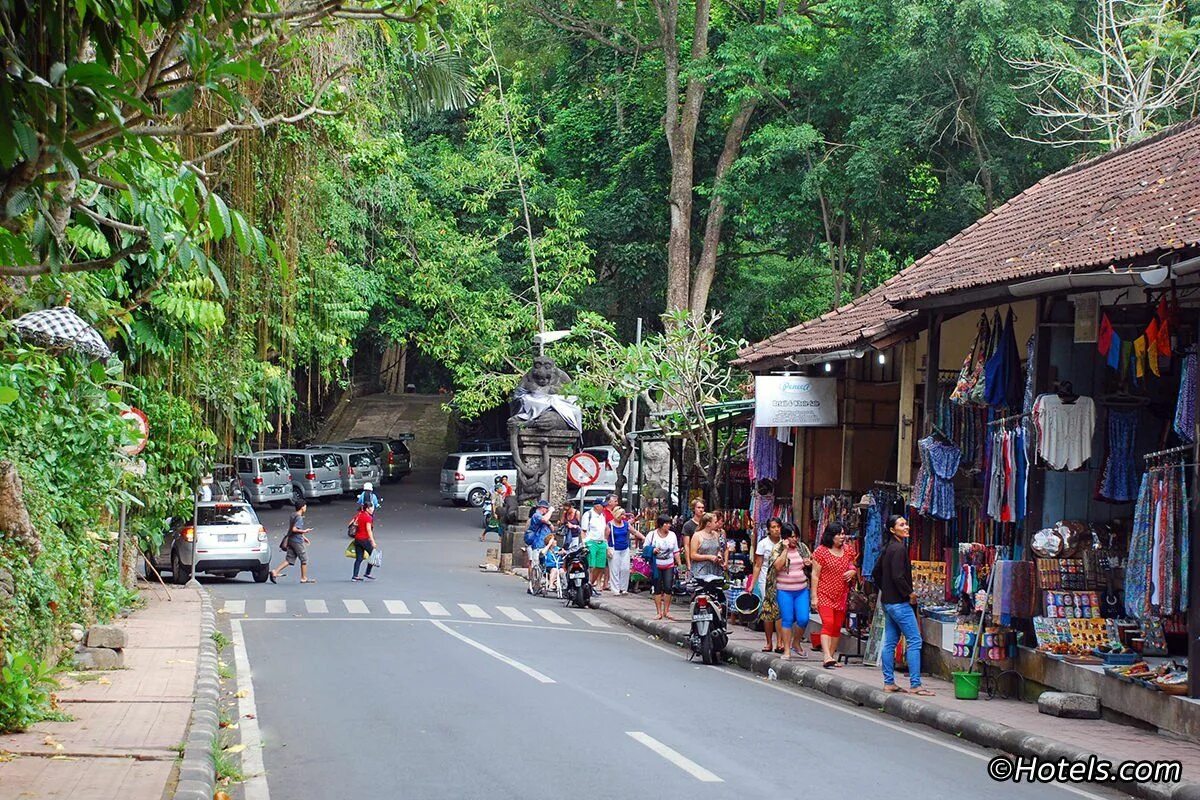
(188, 533)
(702, 601)
(352, 472)
(391, 457)
(262, 533)
(310, 476)
(258, 480)
(458, 476)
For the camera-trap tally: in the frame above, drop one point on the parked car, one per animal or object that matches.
(471, 477)
(586, 497)
(394, 457)
(316, 474)
(484, 445)
(265, 479)
(359, 465)
(222, 538)
(227, 484)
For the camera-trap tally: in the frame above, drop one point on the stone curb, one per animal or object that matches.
(995, 735)
(197, 774)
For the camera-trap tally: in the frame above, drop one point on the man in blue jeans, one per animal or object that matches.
(893, 576)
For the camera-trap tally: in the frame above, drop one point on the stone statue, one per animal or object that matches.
(543, 425)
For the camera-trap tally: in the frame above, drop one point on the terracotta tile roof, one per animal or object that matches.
(849, 327)
(1131, 204)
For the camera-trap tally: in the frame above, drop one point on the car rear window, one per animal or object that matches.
(221, 514)
(361, 460)
(398, 447)
(324, 461)
(245, 465)
(451, 463)
(273, 464)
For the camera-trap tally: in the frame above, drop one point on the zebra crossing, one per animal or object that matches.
(428, 609)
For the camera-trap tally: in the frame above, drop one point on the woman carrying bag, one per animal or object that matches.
(787, 578)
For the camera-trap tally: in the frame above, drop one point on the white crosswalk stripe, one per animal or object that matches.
(550, 616)
(276, 606)
(435, 609)
(513, 614)
(356, 607)
(474, 611)
(592, 619)
(235, 606)
(396, 607)
(316, 607)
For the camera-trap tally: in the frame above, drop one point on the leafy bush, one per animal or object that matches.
(25, 691)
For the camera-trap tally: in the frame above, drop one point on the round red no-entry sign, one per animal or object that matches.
(137, 419)
(583, 469)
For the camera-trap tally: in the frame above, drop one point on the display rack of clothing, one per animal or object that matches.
(966, 426)
(1006, 479)
(835, 505)
(1156, 570)
(763, 454)
(883, 501)
(933, 488)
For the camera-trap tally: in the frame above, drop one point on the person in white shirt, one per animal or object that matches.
(595, 534)
(666, 560)
(758, 581)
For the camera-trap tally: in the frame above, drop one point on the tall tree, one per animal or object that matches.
(680, 37)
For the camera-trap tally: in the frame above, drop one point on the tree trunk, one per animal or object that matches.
(706, 268)
(14, 517)
(392, 368)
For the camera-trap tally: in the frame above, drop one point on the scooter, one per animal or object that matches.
(578, 588)
(709, 634)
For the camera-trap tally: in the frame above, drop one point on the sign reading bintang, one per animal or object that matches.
(794, 402)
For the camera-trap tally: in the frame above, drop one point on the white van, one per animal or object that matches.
(471, 477)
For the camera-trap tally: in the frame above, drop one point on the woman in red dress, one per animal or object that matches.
(832, 574)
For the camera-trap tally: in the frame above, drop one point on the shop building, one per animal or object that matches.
(1038, 368)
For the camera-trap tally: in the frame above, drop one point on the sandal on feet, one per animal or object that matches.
(768, 650)
(779, 651)
(892, 688)
(829, 664)
(921, 691)
(309, 580)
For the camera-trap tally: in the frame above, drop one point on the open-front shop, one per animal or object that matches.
(1043, 432)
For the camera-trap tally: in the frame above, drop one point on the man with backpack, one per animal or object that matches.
(535, 537)
(369, 498)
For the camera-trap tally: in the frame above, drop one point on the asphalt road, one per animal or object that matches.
(442, 681)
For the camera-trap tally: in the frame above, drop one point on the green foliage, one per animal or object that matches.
(25, 691)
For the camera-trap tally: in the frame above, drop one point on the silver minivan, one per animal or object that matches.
(359, 466)
(266, 479)
(471, 477)
(315, 473)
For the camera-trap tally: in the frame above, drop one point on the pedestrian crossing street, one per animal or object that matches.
(426, 609)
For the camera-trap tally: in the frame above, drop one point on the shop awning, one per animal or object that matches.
(717, 412)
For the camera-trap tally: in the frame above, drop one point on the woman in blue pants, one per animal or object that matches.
(791, 591)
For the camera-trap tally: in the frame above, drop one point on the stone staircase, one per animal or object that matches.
(421, 415)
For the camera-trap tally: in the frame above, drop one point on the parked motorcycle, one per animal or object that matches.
(578, 588)
(709, 633)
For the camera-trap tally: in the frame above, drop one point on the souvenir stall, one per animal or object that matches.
(1114, 444)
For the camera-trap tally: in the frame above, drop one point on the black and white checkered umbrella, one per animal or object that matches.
(61, 327)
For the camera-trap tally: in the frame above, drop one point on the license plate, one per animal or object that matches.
(702, 617)
(327, 484)
(229, 537)
(276, 490)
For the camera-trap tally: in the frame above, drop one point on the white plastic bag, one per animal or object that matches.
(376, 557)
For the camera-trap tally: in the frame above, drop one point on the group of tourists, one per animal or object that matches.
(360, 530)
(793, 582)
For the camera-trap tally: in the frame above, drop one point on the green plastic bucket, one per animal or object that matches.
(966, 685)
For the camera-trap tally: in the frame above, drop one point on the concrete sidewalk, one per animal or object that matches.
(128, 725)
(1007, 725)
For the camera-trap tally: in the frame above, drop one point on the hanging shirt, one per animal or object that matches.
(1064, 430)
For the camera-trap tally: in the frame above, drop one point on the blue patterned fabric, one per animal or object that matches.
(1185, 407)
(1141, 542)
(943, 464)
(872, 538)
(1119, 481)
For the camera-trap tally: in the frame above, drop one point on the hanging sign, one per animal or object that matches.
(583, 469)
(785, 401)
(137, 420)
